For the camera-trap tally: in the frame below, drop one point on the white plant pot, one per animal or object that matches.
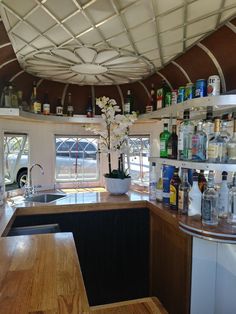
(117, 186)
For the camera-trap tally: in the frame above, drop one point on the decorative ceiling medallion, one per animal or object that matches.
(87, 66)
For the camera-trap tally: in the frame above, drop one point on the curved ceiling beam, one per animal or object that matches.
(7, 62)
(16, 75)
(216, 63)
(164, 78)
(182, 70)
(145, 89)
(64, 93)
(121, 96)
(231, 26)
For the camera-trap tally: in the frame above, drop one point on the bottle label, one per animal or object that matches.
(159, 195)
(232, 151)
(169, 151)
(212, 151)
(127, 108)
(37, 107)
(183, 201)
(181, 141)
(173, 195)
(163, 146)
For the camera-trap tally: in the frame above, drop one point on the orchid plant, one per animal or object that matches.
(113, 133)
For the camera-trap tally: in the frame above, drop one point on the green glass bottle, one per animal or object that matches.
(164, 137)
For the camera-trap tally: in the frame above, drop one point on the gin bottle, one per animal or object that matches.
(164, 137)
(199, 142)
(153, 182)
(223, 203)
(232, 203)
(210, 203)
(184, 188)
(217, 147)
(231, 147)
(185, 138)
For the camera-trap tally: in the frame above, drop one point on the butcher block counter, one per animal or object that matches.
(41, 273)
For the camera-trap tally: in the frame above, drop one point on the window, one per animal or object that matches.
(77, 159)
(137, 159)
(16, 150)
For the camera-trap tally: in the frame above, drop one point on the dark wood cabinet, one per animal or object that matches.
(113, 249)
(170, 264)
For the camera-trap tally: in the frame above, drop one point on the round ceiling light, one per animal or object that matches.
(87, 66)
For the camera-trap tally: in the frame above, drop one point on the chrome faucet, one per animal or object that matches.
(29, 187)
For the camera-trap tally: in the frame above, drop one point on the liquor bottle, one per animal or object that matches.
(224, 126)
(223, 202)
(199, 142)
(164, 137)
(59, 107)
(184, 189)
(209, 202)
(168, 172)
(128, 103)
(46, 105)
(70, 108)
(174, 189)
(208, 127)
(89, 109)
(231, 146)
(232, 202)
(202, 182)
(159, 188)
(217, 147)
(185, 138)
(153, 97)
(153, 182)
(35, 102)
(195, 197)
(161, 94)
(172, 144)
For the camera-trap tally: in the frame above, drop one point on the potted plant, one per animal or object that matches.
(113, 138)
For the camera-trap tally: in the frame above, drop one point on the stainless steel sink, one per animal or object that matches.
(44, 198)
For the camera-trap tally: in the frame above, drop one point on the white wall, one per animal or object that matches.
(42, 149)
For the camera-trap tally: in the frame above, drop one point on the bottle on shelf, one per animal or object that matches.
(185, 138)
(161, 94)
(159, 188)
(89, 109)
(199, 143)
(174, 189)
(46, 105)
(202, 182)
(9, 98)
(70, 108)
(223, 202)
(164, 137)
(59, 107)
(231, 218)
(128, 103)
(217, 147)
(208, 126)
(184, 188)
(168, 172)
(231, 146)
(153, 97)
(210, 202)
(36, 106)
(195, 197)
(153, 182)
(224, 128)
(172, 144)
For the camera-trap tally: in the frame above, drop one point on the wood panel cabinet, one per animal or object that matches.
(170, 264)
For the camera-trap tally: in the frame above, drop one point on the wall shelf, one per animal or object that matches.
(16, 113)
(195, 164)
(197, 106)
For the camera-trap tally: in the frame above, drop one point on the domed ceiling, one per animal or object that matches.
(107, 42)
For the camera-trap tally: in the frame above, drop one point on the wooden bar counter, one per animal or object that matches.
(41, 273)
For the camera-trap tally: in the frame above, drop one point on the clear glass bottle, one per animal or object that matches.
(174, 189)
(186, 130)
(231, 218)
(202, 182)
(164, 137)
(184, 188)
(70, 108)
(153, 182)
(195, 197)
(172, 144)
(224, 128)
(231, 146)
(223, 202)
(199, 144)
(159, 188)
(217, 147)
(210, 202)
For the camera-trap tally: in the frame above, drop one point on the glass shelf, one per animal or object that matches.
(197, 106)
(195, 164)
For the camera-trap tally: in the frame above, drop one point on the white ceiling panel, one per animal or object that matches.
(171, 20)
(139, 36)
